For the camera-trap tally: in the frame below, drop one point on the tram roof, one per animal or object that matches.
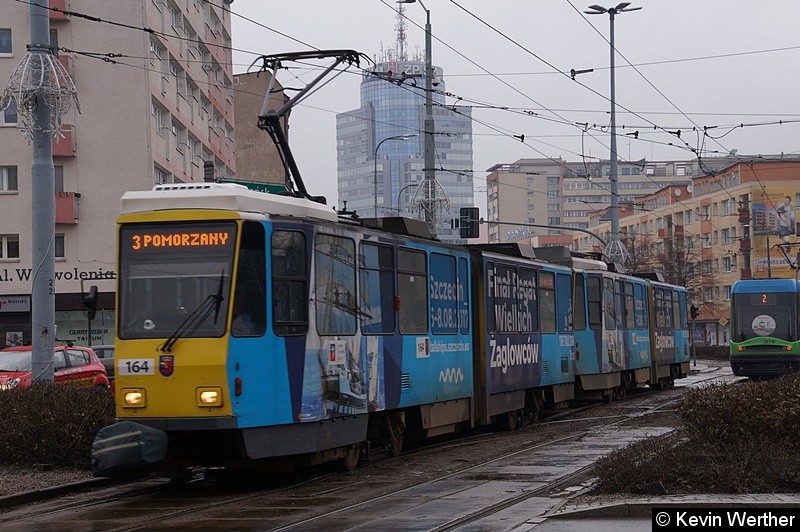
(752, 286)
(222, 196)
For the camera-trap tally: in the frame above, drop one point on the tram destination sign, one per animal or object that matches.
(177, 238)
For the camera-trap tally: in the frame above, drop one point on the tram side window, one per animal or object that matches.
(503, 300)
(335, 291)
(443, 301)
(640, 304)
(463, 295)
(547, 302)
(377, 289)
(608, 304)
(682, 308)
(528, 313)
(289, 283)
(660, 318)
(668, 309)
(676, 310)
(594, 295)
(579, 306)
(564, 302)
(250, 299)
(630, 318)
(412, 287)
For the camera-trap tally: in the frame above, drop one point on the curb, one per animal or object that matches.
(10, 501)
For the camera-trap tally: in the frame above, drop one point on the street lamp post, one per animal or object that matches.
(616, 251)
(400, 194)
(428, 126)
(375, 175)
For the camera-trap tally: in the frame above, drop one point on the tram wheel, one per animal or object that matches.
(508, 421)
(352, 457)
(395, 437)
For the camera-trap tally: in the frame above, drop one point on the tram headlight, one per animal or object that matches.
(208, 396)
(133, 398)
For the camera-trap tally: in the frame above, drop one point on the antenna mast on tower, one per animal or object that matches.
(401, 34)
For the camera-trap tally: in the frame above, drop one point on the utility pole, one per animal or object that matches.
(429, 185)
(616, 251)
(43, 92)
(43, 193)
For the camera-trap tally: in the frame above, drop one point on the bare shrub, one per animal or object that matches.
(736, 438)
(53, 424)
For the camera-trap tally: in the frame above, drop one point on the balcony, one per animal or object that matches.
(59, 15)
(744, 244)
(65, 147)
(66, 62)
(678, 230)
(746, 274)
(744, 216)
(67, 207)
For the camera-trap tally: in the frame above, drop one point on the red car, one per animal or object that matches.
(71, 363)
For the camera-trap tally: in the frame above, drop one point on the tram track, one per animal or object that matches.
(329, 499)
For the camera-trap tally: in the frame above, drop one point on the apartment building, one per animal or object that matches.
(735, 223)
(161, 112)
(553, 192)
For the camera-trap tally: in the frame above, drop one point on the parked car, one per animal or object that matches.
(106, 355)
(71, 363)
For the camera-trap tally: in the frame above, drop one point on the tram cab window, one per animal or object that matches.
(250, 298)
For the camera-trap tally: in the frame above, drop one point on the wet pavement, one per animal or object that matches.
(521, 478)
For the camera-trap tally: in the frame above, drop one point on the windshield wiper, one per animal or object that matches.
(196, 317)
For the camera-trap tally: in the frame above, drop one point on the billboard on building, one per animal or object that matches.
(774, 223)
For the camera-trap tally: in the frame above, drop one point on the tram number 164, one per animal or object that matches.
(136, 366)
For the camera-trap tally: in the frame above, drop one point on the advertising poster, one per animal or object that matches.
(774, 222)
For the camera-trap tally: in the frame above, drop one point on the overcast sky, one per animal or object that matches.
(716, 64)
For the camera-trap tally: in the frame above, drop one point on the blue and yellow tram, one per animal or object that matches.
(253, 326)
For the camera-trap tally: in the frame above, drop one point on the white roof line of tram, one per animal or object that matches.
(223, 196)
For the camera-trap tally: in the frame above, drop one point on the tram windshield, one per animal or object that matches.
(169, 271)
(759, 315)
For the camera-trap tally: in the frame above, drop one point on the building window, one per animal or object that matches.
(59, 248)
(5, 41)
(9, 115)
(58, 174)
(161, 176)
(8, 179)
(9, 246)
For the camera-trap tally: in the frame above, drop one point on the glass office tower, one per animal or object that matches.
(380, 146)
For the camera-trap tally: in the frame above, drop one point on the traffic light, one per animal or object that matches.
(89, 302)
(694, 312)
(469, 218)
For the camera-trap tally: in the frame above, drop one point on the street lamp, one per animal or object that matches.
(616, 249)
(375, 175)
(400, 194)
(430, 207)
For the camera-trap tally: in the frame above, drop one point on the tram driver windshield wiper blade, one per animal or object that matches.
(193, 320)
